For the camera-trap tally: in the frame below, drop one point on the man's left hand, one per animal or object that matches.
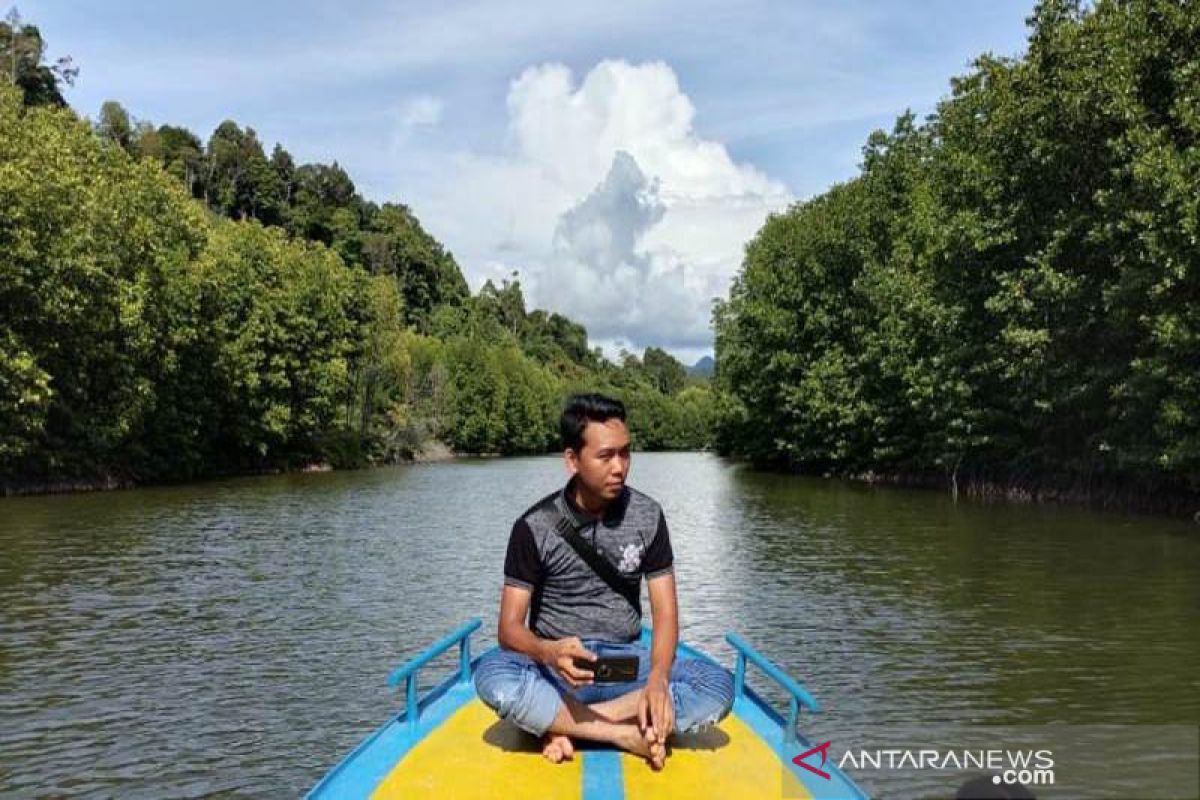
(655, 708)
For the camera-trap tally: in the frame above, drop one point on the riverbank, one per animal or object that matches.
(97, 483)
(1103, 495)
(429, 452)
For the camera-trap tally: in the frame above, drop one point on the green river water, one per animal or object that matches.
(232, 638)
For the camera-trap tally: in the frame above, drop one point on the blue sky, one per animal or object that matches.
(617, 156)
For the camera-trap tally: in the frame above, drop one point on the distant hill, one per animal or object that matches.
(703, 368)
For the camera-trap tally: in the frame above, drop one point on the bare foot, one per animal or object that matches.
(557, 748)
(636, 742)
(658, 750)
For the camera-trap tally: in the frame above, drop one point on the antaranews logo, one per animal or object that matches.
(823, 749)
(1028, 767)
(1086, 762)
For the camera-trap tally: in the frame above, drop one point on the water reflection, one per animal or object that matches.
(234, 636)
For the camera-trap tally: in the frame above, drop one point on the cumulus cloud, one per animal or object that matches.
(609, 204)
(603, 229)
(606, 273)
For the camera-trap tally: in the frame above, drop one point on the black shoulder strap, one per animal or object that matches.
(599, 564)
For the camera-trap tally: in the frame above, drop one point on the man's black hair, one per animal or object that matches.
(582, 409)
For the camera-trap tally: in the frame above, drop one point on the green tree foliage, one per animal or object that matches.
(285, 171)
(181, 154)
(1008, 288)
(555, 339)
(170, 309)
(382, 376)
(478, 396)
(139, 336)
(240, 182)
(91, 244)
(283, 327)
(394, 243)
(320, 190)
(313, 202)
(21, 54)
(509, 371)
(24, 399)
(505, 305)
(114, 125)
(664, 371)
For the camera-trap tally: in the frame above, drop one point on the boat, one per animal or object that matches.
(448, 744)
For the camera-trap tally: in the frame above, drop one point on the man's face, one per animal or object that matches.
(603, 462)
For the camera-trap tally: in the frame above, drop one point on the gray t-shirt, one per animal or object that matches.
(569, 598)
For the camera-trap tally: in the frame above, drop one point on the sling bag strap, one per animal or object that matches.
(599, 564)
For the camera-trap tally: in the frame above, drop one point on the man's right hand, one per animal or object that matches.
(561, 655)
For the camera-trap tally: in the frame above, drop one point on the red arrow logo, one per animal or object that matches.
(823, 749)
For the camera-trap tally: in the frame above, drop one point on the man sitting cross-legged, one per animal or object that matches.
(539, 679)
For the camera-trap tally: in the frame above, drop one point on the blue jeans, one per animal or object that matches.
(528, 694)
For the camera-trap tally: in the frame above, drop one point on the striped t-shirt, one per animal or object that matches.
(569, 598)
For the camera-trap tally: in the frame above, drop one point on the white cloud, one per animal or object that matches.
(603, 229)
(420, 111)
(798, 84)
(608, 203)
(615, 289)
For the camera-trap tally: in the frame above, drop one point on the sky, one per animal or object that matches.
(615, 156)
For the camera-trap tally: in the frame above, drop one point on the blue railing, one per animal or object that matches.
(798, 694)
(408, 672)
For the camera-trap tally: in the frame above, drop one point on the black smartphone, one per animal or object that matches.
(611, 669)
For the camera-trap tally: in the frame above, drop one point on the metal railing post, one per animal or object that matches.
(408, 672)
(414, 708)
(797, 694)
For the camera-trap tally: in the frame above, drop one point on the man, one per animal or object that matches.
(539, 679)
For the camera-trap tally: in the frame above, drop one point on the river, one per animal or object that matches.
(233, 637)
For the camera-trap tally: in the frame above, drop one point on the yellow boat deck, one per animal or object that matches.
(448, 744)
(474, 755)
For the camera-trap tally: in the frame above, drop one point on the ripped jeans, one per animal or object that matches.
(528, 694)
